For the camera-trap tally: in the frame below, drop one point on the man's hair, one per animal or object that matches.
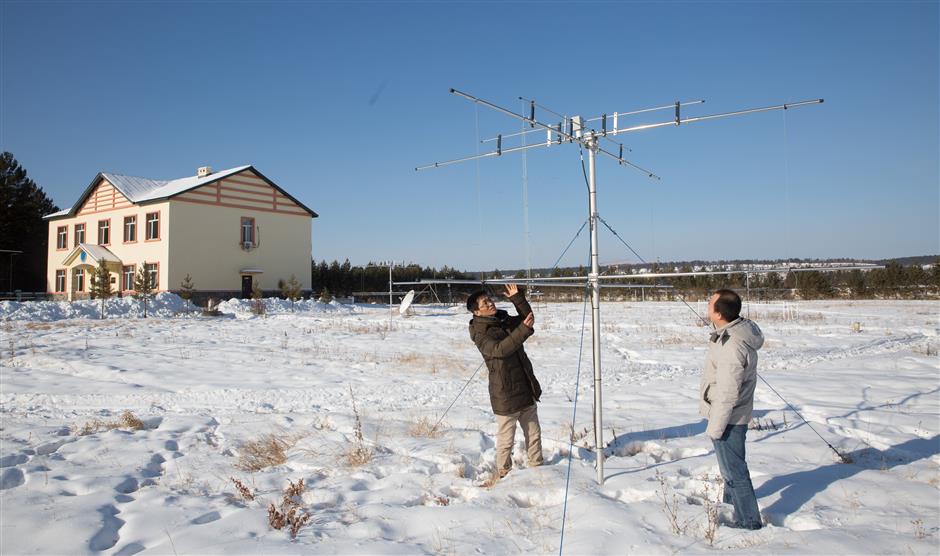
(472, 300)
(728, 304)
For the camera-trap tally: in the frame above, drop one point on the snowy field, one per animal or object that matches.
(207, 389)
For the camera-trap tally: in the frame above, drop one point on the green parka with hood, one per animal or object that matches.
(513, 385)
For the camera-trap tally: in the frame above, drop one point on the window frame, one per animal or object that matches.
(84, 231)
(106, 221)
(147, 227)
(125, 286)
(249, 220)
(78, 273)
(132, 219)
(63, 274)
(156, 275)
(62, 232)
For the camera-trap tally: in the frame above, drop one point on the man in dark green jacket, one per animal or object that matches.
(513, 386)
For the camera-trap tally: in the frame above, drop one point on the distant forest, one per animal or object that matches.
(906, 278)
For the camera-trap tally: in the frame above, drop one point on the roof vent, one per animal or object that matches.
(203, 171)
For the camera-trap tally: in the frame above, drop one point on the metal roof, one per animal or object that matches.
(97, 253)
(141, 190)
(138, 190)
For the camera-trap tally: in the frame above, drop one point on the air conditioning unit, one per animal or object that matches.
(203, 171)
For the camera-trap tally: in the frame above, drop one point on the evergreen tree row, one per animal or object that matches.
(345, 279)
(22, 206)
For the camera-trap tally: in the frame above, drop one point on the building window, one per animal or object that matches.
(79, 234)
(104, 232)
(60, 281)
(130, 229)
(248, 231)
(153, 225)
(127, 277)
(151, 270)
(78, 276)
(62, 237)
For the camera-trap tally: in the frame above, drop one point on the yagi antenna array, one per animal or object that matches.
(575, 129)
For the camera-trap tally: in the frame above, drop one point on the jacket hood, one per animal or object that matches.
(486, 321)
(745, 331)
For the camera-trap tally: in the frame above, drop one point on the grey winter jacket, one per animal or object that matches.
(726, 394)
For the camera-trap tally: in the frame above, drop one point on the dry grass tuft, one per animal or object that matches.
(490, 480)
(267, 451)
(289, 513)
(424, 428)
(127, 420)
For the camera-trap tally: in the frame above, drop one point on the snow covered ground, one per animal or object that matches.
(206, 387)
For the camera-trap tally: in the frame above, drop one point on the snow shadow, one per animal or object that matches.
(666, 433)
(796, 489)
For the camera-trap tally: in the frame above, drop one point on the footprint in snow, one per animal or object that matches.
(207, 518)
(108, 535)
(155, 467)
(128, 485)
(11, 477)
(13, 459)
(130, 548)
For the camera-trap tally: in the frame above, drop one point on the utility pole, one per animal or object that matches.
(574, 130)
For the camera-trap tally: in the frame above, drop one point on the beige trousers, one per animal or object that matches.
(506, 434)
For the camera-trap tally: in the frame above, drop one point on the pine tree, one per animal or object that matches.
(257, 298)
(187, 287)
(101, 285)
(143, 287)
(346, 282)
(22, 206)
(291, 290)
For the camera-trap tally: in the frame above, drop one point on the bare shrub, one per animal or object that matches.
(758, 424)
(267, 451)
(670, 506)
(423, 428)
(289, 514)
(358, 454)
(243, 490)
(919, 531)
(575, 436)
(710, 529)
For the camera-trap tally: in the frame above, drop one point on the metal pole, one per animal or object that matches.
(390, 263)
(595, 311)
(747, 282)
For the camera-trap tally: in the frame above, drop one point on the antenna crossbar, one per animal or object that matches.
(679, 121)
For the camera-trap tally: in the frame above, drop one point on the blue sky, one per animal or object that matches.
(338, 102)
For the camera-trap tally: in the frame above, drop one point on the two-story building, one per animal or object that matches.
(228, 230)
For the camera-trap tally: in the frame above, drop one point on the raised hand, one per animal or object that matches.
(511, 290)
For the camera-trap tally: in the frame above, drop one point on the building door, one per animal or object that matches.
(246, 286)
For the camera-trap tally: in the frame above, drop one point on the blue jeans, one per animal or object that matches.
(738, 488)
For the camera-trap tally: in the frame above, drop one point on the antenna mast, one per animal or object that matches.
(573, 130)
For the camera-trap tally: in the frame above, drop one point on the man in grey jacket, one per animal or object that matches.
(726, 399)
